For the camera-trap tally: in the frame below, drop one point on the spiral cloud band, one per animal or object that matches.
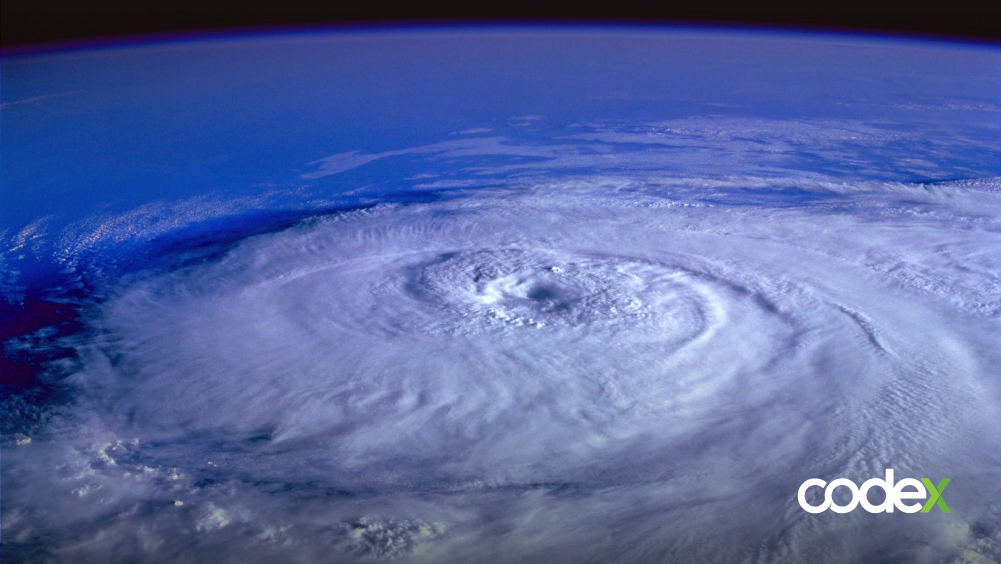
(589, 370)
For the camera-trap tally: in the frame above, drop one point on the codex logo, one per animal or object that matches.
(895, 495)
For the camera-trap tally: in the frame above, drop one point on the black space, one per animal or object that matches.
(31, 21)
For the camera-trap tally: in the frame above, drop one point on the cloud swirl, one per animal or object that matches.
(597, 369)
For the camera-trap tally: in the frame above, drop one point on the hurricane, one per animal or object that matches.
(630, 344)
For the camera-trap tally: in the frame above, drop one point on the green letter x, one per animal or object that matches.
(935, 495)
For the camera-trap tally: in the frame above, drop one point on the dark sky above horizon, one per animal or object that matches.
(32, 21)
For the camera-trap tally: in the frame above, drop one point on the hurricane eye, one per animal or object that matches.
(544, 292)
